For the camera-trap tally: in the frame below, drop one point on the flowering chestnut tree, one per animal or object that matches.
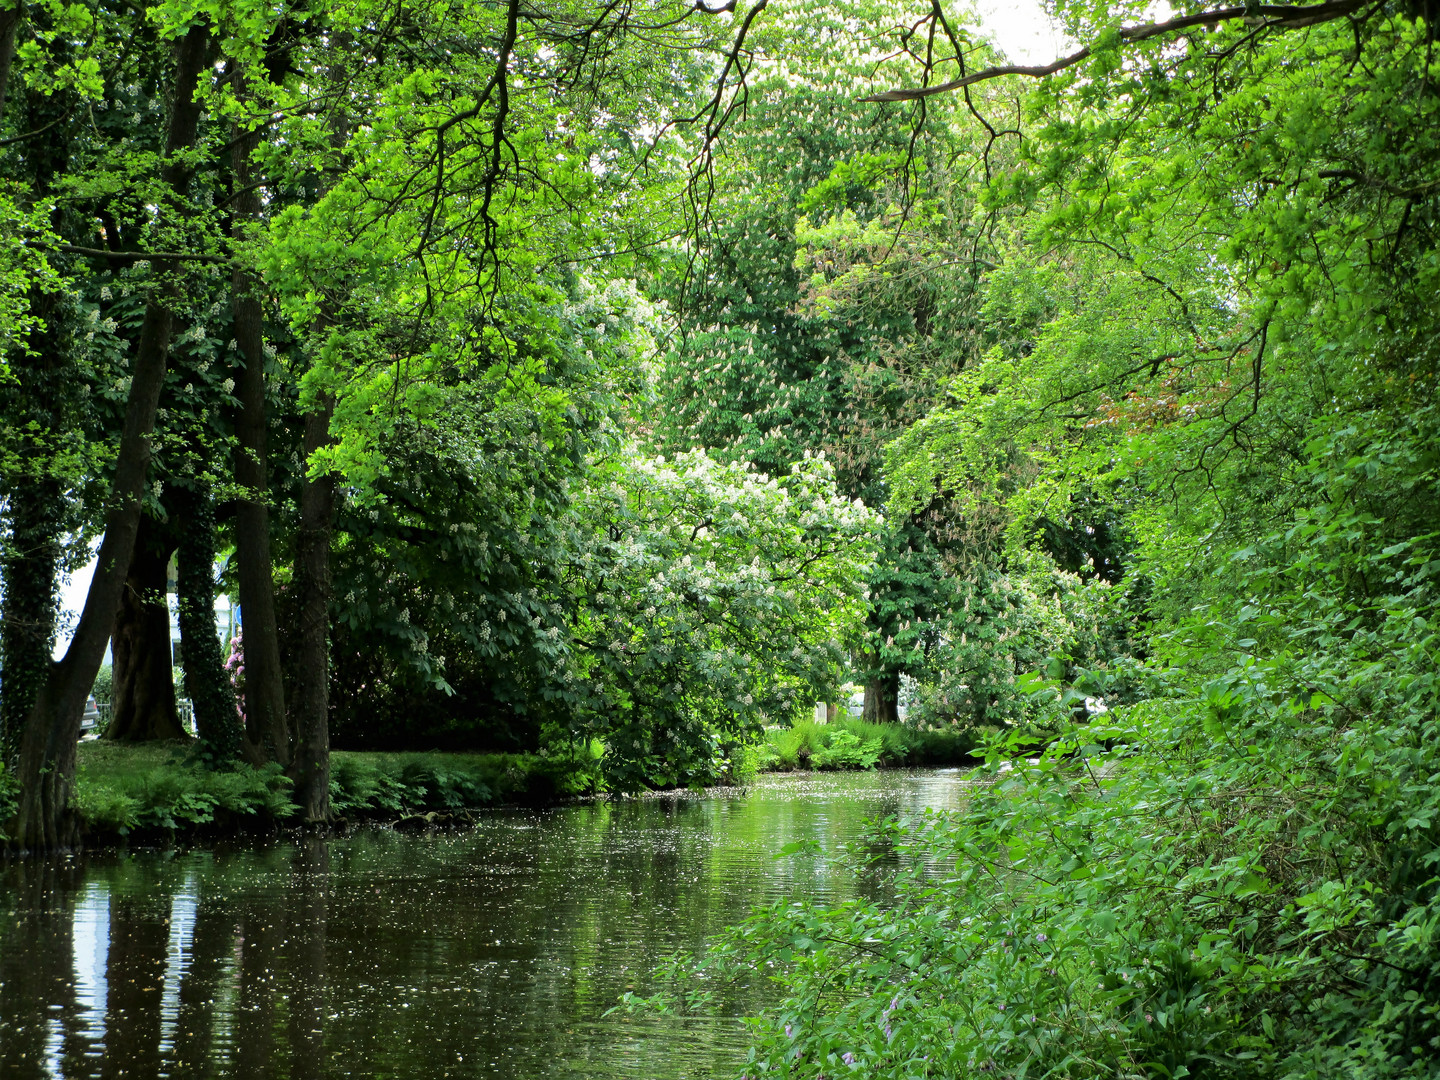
(718, 599)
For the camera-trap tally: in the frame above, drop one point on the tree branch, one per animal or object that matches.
(1275, 16)
(1416, 192)
(129, 256)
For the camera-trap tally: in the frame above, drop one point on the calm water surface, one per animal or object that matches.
(489, 953)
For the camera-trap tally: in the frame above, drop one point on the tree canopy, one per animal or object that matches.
(622, 380)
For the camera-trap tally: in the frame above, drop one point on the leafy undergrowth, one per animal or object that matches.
(1244, 885)
(852, 743)
(158, 789)
(1236, 876)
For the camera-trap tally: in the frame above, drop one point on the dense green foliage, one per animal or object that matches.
(630, 388)
(1198, 463)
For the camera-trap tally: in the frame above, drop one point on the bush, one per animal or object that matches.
(845, 750)
(386, 785)
(1234, 878)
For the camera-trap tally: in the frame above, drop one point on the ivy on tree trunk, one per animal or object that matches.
(217, 720)
(311, 765)
(45, 768)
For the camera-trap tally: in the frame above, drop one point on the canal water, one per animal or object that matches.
(494, 952)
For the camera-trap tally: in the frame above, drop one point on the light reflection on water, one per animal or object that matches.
(489, 953)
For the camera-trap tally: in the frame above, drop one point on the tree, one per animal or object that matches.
(45, 765)
(439, 279)
(826, 307)
(719, 599)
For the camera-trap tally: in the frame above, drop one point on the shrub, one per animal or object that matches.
(845, 750)
(164, 788)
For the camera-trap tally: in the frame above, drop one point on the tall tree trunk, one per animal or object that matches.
(264, 683)
(46, 767)
(217, 720)
(37, 402)
(143, 686)
(311, 766)
(29, 573)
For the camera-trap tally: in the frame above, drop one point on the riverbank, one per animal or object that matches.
(852, 743)
(158, 793)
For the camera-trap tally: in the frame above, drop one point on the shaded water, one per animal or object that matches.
(489, 953)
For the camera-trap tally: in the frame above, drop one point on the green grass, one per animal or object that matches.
(852, 743)
(159, 789)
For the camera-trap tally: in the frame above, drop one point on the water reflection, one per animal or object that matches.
(490, 953)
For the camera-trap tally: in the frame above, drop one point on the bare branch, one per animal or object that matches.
(1273, 16)
(1417, 192)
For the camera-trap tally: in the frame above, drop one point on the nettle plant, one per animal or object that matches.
(716, 599)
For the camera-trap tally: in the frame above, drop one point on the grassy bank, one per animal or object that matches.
(852, 743)
(159, 791)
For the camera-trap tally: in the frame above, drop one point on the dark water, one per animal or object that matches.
(491, 953)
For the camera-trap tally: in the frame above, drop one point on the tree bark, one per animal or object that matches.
(264, 683)
(143, 686)
(217, 719)
(311, 766)
(881, 694)
(27, 631)
(9, 23)
(46, 766)
(38, 402)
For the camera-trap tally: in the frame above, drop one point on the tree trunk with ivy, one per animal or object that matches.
(36, 401)
(30, 565)
(29, 572)
(311, 765)
(45, 767)
(217, 718)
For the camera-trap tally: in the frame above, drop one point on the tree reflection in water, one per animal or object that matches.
(494, 952)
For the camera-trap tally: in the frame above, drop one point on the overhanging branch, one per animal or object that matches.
(1282, 17)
